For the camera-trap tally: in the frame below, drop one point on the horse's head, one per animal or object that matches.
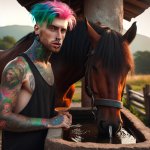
(107, 67)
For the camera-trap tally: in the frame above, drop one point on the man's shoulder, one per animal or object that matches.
(18, 64)
(19, 60)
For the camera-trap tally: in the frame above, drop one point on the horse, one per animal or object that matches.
(100, 54)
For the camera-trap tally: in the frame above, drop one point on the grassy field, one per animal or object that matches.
(77, 95)
(137, 82)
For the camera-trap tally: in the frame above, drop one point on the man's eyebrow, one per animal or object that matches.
(58, 26)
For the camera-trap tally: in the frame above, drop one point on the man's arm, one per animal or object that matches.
(12, 78)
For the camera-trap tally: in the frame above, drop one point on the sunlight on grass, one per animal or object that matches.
(137, 82)
(77, 94)
(78, 84)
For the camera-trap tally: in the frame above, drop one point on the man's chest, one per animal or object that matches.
(45, 72)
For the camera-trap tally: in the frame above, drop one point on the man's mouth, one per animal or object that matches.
(56, 44)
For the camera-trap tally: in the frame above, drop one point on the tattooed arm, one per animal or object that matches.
(12, 80)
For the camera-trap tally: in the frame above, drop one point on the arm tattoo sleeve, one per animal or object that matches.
(10, 86)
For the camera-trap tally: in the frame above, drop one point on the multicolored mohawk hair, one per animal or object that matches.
(48, 11)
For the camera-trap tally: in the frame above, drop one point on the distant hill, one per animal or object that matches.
(141, 42)
(17, 31)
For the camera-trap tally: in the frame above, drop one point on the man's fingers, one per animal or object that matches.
(67, 125)
(67, 121)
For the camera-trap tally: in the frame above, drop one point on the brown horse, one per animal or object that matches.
(106, 70)
(101, 55)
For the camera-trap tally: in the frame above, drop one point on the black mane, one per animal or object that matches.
(110, 51)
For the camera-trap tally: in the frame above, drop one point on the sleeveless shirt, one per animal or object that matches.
(40, 105)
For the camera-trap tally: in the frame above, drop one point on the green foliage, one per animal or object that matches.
(138, 115)
(134, 111)
(124, 101)
(142, 61)
(7, 42)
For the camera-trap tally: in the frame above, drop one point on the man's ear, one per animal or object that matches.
(36, 29)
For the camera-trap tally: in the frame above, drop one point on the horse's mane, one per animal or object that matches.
(113, 51)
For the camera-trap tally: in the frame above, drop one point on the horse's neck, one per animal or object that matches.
(66, 74)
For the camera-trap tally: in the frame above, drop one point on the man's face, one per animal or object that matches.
(52, 36)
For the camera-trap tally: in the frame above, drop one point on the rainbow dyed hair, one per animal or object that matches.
(48, 11)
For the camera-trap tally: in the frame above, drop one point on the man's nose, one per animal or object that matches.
(59, 35)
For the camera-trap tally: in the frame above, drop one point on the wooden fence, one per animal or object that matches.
(141, 102)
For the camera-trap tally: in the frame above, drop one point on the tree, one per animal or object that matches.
(142, 62)
(7, 42)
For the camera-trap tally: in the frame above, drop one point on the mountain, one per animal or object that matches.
(16, 31)
(140, 42)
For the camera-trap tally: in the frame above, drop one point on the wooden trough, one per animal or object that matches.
(141, 132)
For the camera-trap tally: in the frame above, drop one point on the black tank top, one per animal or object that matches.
(41, 105)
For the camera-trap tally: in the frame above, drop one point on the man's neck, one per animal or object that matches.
(38, 53)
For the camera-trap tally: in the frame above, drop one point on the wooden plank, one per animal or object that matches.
(136, 93)
(142, 113)
(140, 106)
(133, 10)
(137, 3)
(138, 6)
(137, 98)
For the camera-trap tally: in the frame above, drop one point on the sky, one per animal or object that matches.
(12, 13)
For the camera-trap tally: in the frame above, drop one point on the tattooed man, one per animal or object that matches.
(27, 87)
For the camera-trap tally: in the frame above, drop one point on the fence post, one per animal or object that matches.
(128, 88)
(146, 91)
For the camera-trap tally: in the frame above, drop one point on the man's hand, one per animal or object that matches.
(63, 120)
(67, 114)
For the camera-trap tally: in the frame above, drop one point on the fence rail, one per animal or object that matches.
(141, 102)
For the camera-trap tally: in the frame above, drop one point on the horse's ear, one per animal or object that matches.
(94, 36)
(131, 33)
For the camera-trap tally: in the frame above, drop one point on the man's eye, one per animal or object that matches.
(52, 28)
(63, 30)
